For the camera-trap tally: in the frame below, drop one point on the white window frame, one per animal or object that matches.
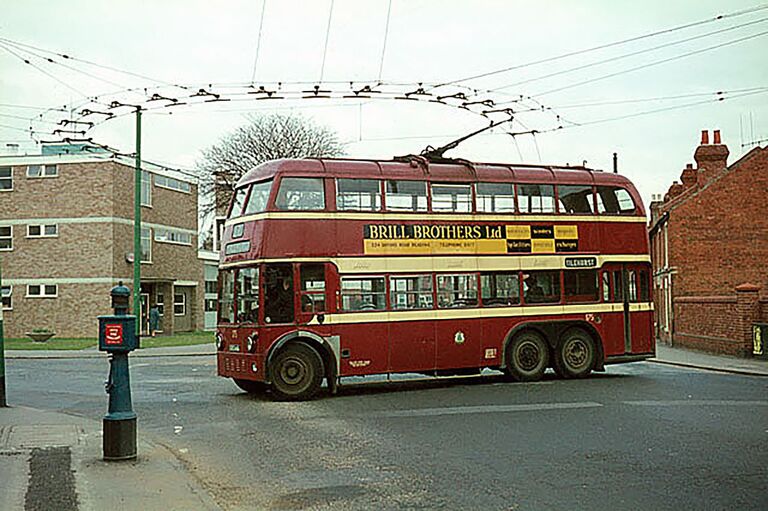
(44, 170)
(9, 249)
(183, 304)
(42, 231)
(162, 235)
(43, 291)
(160, 303)
(149, 242)
(9, 295)
(8, 178)
(170, 183)
(146, 186)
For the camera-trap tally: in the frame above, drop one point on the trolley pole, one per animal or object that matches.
(137, 227)
(3, 402)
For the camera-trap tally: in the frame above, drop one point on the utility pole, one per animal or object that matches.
(3, 402)
(137, 227)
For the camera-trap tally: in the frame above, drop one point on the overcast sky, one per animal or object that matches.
(202, 42)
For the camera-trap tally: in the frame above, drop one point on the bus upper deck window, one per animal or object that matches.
(238, 201)
(612, 200)
(575, 199)
(301, 194)
(358, 195)
(406, 195)
(453, 198)
(257, 200)
(536, 198)
(495, 197)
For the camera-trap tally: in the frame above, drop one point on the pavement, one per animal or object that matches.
(51, 460)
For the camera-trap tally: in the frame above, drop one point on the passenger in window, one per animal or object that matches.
(533, 291)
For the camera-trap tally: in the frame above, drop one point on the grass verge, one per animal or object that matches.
(161, 341)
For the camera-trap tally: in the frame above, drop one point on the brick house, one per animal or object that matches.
(709, 248)
(66, 237)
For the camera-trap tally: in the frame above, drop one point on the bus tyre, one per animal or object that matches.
(250, 386)
(297, 372)
(527, 357)
(575, 354)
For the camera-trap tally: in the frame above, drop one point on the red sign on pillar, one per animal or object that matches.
(113, 334)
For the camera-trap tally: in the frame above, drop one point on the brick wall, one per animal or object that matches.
(707, 323)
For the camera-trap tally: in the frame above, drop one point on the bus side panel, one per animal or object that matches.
(642, 332)
(459, 343)
(612, 331)
(364, 348)
(411, 345)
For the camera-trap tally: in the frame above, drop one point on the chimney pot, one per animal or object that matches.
(704, 137)
(689, 165)
(716, 134)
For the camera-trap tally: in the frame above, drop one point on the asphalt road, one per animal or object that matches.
(642, 436)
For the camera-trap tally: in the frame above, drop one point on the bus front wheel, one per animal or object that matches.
(575, 354)
(527, 357)
(297, 372)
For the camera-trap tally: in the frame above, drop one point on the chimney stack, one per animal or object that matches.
(688, 177)
(711, 159)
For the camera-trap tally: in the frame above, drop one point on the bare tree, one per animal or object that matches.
(266, 137)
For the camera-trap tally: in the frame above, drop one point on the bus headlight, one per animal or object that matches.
(219, 341)
(250, 343)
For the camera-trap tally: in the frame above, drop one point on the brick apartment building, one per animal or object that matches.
(709, 243)
(66, 237)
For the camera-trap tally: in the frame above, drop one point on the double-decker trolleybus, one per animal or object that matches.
(333, 268)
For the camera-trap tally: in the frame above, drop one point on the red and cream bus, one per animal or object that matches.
(333, 268)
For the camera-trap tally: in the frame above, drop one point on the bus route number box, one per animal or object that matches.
(117, 333)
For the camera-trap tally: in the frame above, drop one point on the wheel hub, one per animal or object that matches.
(293, 371)
(528, 356)
(576, 353)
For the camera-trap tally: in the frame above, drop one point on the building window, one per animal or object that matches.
(146, 188)
(6, 179)
(452, 198)
(179, 304)
(358, 195)
(406, 196)
(6, 237)
(499, 289)
(580, 286)
(42, 231)
(210, 287)
(301, 194)
(536, 198)
(172, 184)
(42, 291)
(146, 245)
(495, 197)
(456, 291)
(363, 294)
(210, 305)
(160, 303)
(6, 293)
(413, 292)
(541, 287)
(165, 235)
(42, 171)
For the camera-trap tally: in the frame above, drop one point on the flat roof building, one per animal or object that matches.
(66, 237)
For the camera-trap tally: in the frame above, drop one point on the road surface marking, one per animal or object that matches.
(471, 410)
(697, 402)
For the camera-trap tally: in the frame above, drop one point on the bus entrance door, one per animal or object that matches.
(616, 324)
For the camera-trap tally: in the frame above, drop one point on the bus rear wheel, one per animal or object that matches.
(297, 372)
(575, 354)
(527, 357)
(250, 386)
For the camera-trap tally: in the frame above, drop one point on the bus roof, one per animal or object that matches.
(417, 168)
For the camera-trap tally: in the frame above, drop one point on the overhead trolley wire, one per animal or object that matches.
(384, 45)
(612, 44)
(631, 54)
(258, 40)
(327, 34)
(654, 63)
